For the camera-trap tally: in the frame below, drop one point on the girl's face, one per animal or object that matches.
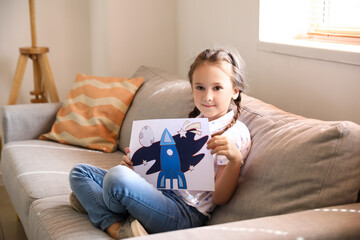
(212, 89)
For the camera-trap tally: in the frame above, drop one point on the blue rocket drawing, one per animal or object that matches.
(186, 148)
(170, 163)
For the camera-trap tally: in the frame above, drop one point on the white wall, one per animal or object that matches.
(108, 38)
(130, 33)
(114, 37)
(63, 26)
(313, 88)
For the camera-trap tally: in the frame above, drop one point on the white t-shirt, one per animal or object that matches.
(238, 134)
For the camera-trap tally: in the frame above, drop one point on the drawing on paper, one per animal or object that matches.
(172, 150)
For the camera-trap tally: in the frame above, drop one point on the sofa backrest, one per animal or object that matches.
(295, 163)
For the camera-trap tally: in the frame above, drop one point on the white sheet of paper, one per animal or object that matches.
(172, 154)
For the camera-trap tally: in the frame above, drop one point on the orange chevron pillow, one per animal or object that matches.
(93, 112)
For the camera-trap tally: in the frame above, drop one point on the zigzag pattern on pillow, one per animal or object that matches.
(93, 112)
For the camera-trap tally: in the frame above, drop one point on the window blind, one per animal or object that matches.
(335, 19)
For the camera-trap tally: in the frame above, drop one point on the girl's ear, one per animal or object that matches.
(236, 93)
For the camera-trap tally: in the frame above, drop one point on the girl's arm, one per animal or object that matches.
(226, 179)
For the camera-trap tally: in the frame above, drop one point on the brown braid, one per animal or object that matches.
(237, 77)
(233, 121)
(194, 113)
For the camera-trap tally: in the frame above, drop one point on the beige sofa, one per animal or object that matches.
(300, 181)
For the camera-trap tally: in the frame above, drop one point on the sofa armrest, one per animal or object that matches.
(339, 222)
(26, 121)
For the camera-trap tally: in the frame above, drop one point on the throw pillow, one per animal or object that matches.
(93, 112)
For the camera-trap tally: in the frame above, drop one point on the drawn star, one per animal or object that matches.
(182, 133)
(191, 168)
(144, 162)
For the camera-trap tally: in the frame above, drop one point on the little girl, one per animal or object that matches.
(123, 204)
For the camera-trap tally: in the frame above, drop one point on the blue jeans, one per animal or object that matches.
(111, 196)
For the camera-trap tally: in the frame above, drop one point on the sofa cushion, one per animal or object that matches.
(162, 95)
(53, 218)
(339, 222)
(93, 112)
(38, 169)
(295, 164)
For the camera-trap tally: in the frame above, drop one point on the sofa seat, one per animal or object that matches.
(40, 169)
(324, 223)
(53, 218)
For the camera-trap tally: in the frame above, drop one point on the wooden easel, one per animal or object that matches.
(44, 84)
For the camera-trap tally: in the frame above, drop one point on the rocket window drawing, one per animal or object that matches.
(172, 154)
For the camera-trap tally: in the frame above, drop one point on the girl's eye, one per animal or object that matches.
(199, 88)
(217, 88)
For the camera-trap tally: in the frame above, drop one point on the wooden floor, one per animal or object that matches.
(10, 225)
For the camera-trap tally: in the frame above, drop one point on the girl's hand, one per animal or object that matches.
(221, 145)
(126, 160)
(226, 179)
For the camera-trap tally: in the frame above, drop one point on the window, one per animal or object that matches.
(335, 20)
(320, 29)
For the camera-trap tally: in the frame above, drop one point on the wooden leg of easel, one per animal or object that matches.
(49, 83)
(19, 75)
(38, 88)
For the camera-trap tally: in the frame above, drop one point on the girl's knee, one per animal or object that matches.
(119, 178)
(117, 175)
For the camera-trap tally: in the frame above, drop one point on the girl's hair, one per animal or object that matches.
(237, 75)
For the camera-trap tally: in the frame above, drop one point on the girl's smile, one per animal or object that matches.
(208, 106)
